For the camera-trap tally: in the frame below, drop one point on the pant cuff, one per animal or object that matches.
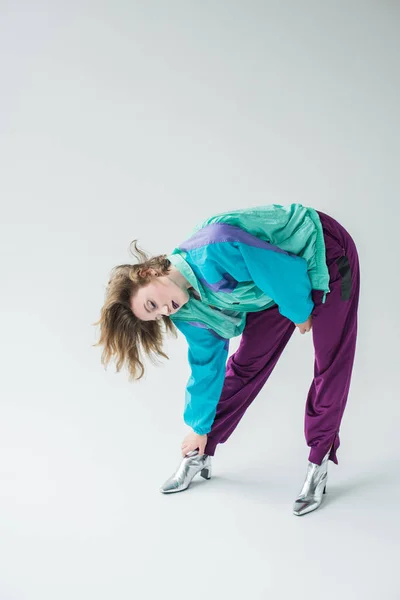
(210, 447)
(317, 455)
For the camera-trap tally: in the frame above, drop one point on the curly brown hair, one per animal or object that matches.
(122, 334)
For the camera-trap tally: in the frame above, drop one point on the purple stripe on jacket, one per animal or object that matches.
(222, 232)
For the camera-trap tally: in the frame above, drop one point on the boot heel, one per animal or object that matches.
(324, 489)
(206, 473)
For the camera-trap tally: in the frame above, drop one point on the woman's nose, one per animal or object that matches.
(165, 310)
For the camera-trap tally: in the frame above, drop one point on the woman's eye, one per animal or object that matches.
(152, 304)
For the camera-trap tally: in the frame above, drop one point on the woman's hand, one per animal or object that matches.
(306, 326)
(193, 441)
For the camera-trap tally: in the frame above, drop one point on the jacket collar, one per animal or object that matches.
(180, 263)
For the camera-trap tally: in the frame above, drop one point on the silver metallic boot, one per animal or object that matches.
(189, 467)
(314, 487)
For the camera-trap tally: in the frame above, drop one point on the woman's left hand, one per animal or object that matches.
(306, 326)
(193, 441)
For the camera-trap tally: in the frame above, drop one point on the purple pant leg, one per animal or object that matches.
(334, 336)
(263, 340)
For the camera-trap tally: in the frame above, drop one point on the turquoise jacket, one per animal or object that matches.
(238, 262)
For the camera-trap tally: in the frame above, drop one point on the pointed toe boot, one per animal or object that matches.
(191, 465)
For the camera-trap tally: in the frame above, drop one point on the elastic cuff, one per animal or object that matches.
(200, 432)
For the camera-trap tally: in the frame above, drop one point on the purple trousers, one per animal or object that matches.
(334, 331)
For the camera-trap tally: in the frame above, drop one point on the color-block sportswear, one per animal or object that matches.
(239, 262)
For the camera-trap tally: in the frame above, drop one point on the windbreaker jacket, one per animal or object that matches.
(238, 262)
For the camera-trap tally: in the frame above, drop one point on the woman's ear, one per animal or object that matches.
(145, 272)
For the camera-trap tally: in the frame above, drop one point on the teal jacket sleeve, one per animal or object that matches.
(207, 356)
(283, 277)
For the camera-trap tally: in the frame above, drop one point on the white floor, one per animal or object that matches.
(81, 515)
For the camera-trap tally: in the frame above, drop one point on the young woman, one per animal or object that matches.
(259, 272)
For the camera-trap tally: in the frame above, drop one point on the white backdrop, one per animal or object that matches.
(123, 120)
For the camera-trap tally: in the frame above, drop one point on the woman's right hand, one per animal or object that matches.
(306, 326)
(193, 441)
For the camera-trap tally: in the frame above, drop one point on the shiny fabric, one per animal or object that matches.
(191, 465)
(249, 260)
(238, 263)
(313, 488)
(334, 334)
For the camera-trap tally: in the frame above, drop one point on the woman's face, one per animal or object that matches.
(164, 295)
